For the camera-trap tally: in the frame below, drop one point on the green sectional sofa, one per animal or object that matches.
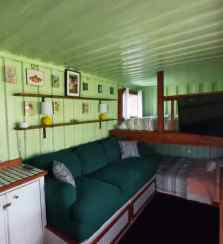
(104, 183)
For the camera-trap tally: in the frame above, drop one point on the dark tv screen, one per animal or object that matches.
(201, 115)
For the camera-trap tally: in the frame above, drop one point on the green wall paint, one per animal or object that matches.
(185, 79)
(27, 143)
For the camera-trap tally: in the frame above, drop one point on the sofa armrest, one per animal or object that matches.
(60, 196)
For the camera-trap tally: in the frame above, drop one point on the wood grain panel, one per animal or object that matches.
(25, 143)
(169, 138)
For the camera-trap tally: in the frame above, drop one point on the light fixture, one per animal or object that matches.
(103, 109)
(47, 111)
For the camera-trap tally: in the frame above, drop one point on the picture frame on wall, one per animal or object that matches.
(85, 108)
(85, 86)
(34, 77)
(55, 79)
(99, 88)
(30, 108)
(72, 83)
(10, 74)
(112, 90)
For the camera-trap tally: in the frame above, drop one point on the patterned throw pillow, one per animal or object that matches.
(62, 173)
(129, 149)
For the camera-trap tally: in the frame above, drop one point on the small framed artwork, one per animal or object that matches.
(72, 83)
(10, 74)
(99, 88)
(55, 79)
(34, 77)
(85, 108)
(111, 90)
(56, 107)
(85, 86)
(30, 108)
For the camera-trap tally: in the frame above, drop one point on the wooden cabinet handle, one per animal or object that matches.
(7, 205)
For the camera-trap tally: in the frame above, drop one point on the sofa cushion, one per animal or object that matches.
(126, 180)
(128, 174)
(112, 149)
(92, 156)
(62, 173)
(96, 202)
(67, 156)
(60, 198)
(129, 149)
(146, 166)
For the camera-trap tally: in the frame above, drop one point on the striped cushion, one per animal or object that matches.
(62, 173)
(129, 149)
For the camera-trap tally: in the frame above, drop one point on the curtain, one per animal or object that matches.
(139, 115)
(125, 104)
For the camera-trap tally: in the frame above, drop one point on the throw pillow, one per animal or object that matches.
(62, 173)
(129, 149)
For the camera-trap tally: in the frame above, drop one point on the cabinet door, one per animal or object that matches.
(3, 223)
(24, 215)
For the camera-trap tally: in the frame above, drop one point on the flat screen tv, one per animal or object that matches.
(201, 115)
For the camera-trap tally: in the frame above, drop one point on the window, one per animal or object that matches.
(131, 104)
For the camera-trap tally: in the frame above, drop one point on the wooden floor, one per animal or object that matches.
(176, 221)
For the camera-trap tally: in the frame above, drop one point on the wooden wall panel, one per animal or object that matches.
(27, 143)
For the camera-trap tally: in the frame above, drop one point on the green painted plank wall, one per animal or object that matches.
(27, 143)
(185, 79)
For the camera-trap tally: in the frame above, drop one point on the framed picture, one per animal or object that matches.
(34, 77)
(111, 90)
(85, 108)
(55, 79)
(85, 86)
(72, 83)
(30, 108)
(99, 88)
(10, 74)
(56, 107)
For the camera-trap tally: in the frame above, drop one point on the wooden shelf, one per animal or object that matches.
(167, 137)
(62, 97)
(177, 97)
(64, 124)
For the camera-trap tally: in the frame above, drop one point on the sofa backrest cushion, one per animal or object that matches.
(92, 156)
(145, 150)
(67, 156)
(112, 149)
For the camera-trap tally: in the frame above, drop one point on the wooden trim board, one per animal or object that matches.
(10, 163)
(62, 97)
(15, 163)
(169, 137)
(177, 97)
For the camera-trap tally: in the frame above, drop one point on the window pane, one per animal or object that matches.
(133, 105)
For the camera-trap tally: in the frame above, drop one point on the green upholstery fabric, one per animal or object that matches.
(59, 195)
(104, 183)
(145, 150)
(128, 175)
(66, 156)
(96, 202)
(112, 149)
(92, 156)
(60, 198)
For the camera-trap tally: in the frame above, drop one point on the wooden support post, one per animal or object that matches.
(172, 111)
(120, 105)
(160, 101)
(221, 223)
